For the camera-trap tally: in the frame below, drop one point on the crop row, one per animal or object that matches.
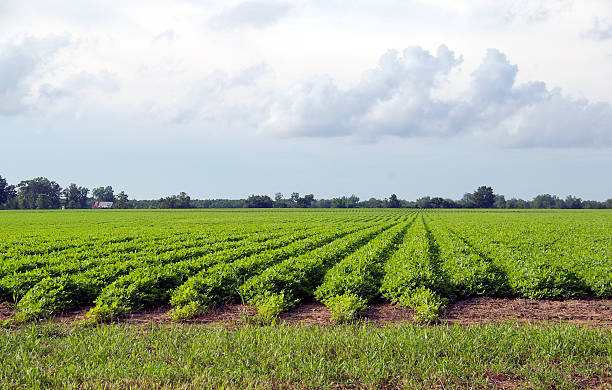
(195, 261)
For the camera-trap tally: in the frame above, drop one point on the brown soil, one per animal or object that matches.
(589, 312)
(6, 311)
(578, 311)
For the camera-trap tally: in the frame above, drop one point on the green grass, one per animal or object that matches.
(124, 356)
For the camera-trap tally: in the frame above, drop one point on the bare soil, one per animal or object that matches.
(6, 311)
(588, 312)
(591, 312)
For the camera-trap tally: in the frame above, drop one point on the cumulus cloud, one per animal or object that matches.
(220, 100)
(255, 14)
(534, 11)
(600, 31)
(319, 108)
(251, 74)
(168, 35)
(79, 87)
(398, 98)
(19, 63)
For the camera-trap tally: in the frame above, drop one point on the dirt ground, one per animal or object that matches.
(589, 312)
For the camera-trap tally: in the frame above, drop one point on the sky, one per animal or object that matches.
(223, 99)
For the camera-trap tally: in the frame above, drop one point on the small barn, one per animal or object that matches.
(103, 205)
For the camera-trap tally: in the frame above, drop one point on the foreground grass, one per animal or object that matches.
(280, 356)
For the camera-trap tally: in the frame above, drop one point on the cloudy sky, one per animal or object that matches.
(371, 97)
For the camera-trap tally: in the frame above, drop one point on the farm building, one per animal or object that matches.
(102, 205)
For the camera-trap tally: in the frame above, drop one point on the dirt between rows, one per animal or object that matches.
(589, 312)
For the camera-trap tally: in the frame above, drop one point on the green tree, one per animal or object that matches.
(103, 194)
(183, 201)
(122, 201)
(545, 201)
(571, 202)
(306, 201)
(180, 201)
(295, 196)
(42, 202)
(517, 204)
(75, 197)
(394, 203)
(373, 203)
(484, 197)
(499, 202)
(38, 193)
(468, 201)
(279, 202)
(7, 192)
(258, 201)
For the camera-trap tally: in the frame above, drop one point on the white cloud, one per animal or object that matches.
(534, 11)
(600, 31)
(397, 99)
(256, 14)
(19, 62)
(168, 35)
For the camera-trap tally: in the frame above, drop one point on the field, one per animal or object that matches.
(110, 265)
(119, 263)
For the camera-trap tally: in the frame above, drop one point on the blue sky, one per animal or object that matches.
(225, 99)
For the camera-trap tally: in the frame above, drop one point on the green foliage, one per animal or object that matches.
(297, 278)
(220, 283)
(103, 194)
(56, 356)
(38, 193)
(180, 201)
(357, 277)
(484, 197)
(270, 305)
(129, 260)
(75, 197)
(258, 201)
(7, 192)
(345, 307)
(426, 304)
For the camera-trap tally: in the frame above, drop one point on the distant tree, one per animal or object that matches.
(571, 202)
(517, 204)
(295, 196)
(75, 197)
(339, 203)
(344, 202)
(322, 203)
(468, 201)
(180, 201)
(593, 204)
(424, 202)
(405, 204)
(545, 201)
(211, 203)
(3, 190)
(437, 202)
(103, 194)
(393, 203)
(7, 193)
(499, 202)
(122, 201)
(38, 193)
(484, 197)
(352, 201)
(258, 201)
(183, 201)
(279, 202)
(373, 203)
(306, 201)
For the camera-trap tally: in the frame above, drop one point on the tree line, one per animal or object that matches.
(41, 193)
